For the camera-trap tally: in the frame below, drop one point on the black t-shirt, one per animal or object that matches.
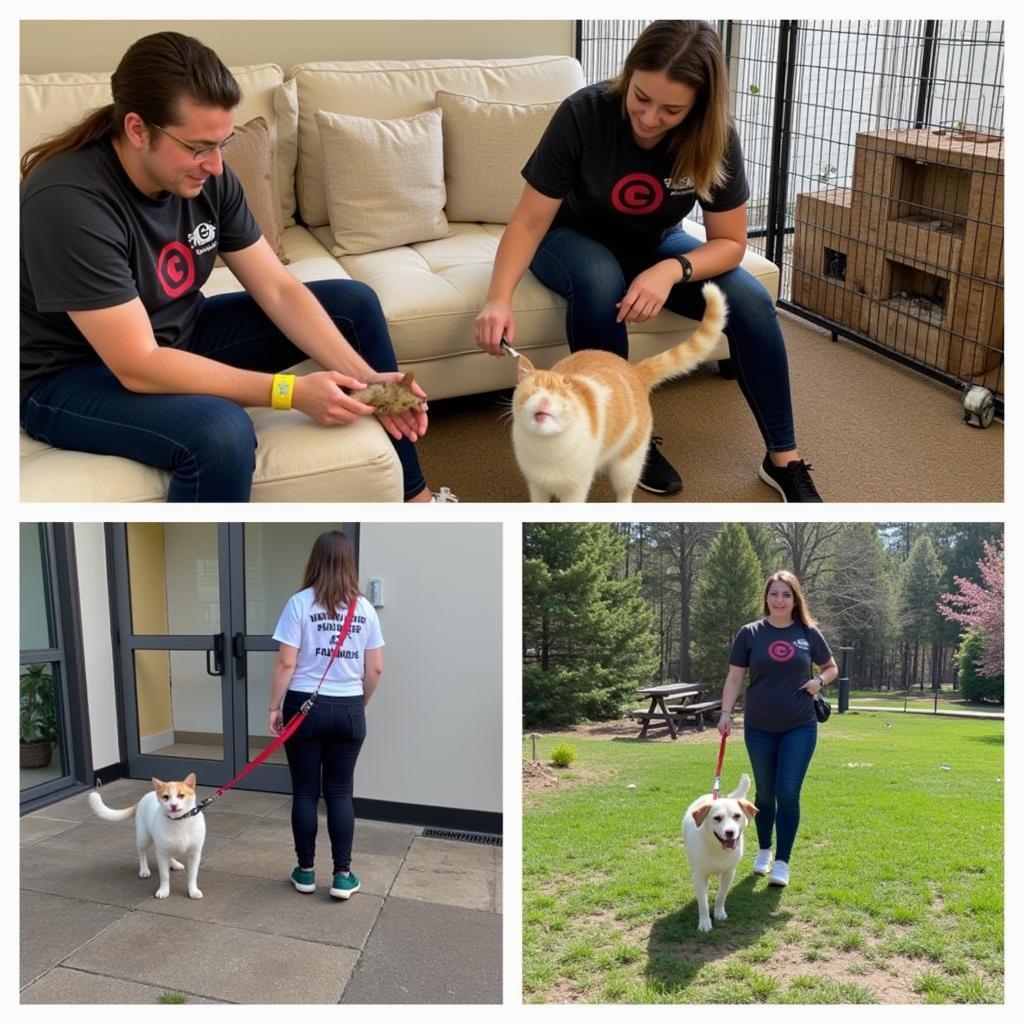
(780, 662)
(614, 190)
(90, 240)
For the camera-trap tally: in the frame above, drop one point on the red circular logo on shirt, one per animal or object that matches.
(781, 650)
(176, 269)
(637, 194)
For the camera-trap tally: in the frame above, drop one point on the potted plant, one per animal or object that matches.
(38, 716)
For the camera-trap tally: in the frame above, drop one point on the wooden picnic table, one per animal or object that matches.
(658, 711)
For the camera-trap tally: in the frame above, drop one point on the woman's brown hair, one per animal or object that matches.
(154, 76)
(800, 612)
(331, 572)
(689, 52)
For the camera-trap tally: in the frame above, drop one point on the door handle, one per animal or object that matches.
(218, 656)
(238, 650)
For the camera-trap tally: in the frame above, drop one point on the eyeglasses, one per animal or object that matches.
(198, 152)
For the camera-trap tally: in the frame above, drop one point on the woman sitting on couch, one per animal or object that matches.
(618, 168)
(122, 218)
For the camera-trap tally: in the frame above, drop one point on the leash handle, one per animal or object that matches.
(718, 769)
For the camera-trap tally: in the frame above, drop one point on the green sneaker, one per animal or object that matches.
(344, 885)
(304, 881)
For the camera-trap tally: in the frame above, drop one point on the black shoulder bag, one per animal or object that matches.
(822, 708)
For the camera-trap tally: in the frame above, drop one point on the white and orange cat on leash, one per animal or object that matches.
(162, 818)
(591, 411)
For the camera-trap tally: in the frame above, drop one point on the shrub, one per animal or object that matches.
(973, 685)
(563, 755)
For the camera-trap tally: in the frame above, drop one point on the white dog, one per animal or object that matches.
(713, 835)
(160, 819)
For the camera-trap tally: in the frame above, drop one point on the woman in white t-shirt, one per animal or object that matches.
(327, 744)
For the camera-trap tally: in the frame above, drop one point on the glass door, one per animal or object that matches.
(172, 598)
(272, 557)
(196, 608)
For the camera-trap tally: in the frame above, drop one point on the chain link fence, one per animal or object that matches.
(874, 152)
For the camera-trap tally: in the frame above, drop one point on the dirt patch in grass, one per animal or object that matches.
(892, 984)
(539, 776)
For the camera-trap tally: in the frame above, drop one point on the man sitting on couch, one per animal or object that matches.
(122, 218)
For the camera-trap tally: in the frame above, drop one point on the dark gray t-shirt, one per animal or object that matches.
(612, 189)
(90, 240)
(780, 662)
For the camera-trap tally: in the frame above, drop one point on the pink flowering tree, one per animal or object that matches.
(980, 606)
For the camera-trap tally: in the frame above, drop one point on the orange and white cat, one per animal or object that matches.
(591, 411)
(159, 819)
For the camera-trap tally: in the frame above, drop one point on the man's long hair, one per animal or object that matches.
(154, 76)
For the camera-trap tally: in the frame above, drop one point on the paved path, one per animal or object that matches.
(898, 709)
(425, 928)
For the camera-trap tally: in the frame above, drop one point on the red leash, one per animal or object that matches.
(718, 769)
(297, 719)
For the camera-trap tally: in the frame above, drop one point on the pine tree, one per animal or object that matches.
(587, 639)
(919, 596)
(728, 596)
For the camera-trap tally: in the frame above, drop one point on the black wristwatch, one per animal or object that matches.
(687, 269)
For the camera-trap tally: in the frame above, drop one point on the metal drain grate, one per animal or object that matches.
(462, 837)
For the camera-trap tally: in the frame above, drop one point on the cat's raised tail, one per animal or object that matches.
(109, 813)
(682, 358)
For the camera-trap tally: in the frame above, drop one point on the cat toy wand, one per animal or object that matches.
(508, 348)
(718, 769)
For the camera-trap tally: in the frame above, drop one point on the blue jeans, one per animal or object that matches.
(592, 279)
(780, 761)
(207, 443)
(322, 755)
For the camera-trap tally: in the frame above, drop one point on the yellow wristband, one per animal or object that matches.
(281, 391)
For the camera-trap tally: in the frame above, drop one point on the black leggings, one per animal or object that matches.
(325, 747)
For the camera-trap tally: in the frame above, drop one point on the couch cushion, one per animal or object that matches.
(485, 146)
(431, 293)
(385, 180)
(386, 89)
(296, 461)
(249, 157)
(52, 102)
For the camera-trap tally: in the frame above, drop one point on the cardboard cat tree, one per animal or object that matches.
(912, 254)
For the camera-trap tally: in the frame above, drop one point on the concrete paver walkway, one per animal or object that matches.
(425, 927)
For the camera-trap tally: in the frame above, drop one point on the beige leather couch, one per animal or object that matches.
(430, 290)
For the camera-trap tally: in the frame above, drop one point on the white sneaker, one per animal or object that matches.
(444, 496)
(763, 862)
(780, 874)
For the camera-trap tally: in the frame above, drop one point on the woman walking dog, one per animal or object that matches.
(779, 725)
(323, 751)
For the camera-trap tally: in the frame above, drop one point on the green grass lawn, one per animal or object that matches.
(897, 874)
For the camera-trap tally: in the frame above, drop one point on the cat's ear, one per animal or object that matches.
(523, 368)
(190, 780)
(157, 784)
(406, 381)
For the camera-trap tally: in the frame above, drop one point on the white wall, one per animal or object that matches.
(434, 726)
(94, 602)
(98, 45)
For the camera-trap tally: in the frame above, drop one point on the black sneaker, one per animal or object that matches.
(792, 481)
(658, 476)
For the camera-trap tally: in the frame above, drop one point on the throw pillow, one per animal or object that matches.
(486, 145)
(249, 157)
(384, 180)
